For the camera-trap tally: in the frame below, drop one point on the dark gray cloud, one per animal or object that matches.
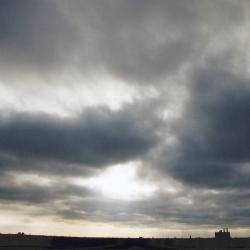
(213, 134)
(98, 137)
(138, 40)
(34, 194)
(34, 36)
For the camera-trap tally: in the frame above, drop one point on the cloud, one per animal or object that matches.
(186, 206)
(198, 139)
(97, 138)
(136, 40)
(34, 194)
(212, 137)
(34, 36)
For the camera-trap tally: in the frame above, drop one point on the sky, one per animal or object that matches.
(125, 118)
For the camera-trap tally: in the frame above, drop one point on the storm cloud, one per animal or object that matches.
(97, 138)
(159, 87)
(213, 135)
(136, 40)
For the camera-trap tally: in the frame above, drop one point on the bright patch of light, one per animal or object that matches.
(120, 182)
(68, 98)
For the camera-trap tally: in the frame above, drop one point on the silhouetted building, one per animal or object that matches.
(222, 237)
(222, 234)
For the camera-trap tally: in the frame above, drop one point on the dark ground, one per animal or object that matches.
(33, 242)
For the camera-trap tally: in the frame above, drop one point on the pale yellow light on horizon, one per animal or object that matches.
(20, 219)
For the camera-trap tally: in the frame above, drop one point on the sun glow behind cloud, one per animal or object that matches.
(120, 182)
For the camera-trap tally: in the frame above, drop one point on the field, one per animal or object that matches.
(33, 242)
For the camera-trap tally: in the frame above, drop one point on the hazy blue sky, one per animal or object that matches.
(125, 117)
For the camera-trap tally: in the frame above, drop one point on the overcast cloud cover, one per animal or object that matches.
(161, 87)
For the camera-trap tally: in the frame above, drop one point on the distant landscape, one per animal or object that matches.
(39, 242)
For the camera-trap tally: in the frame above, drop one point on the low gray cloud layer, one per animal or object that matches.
(213, 135)
(188, 120)
(136, 40)
(98, 137)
